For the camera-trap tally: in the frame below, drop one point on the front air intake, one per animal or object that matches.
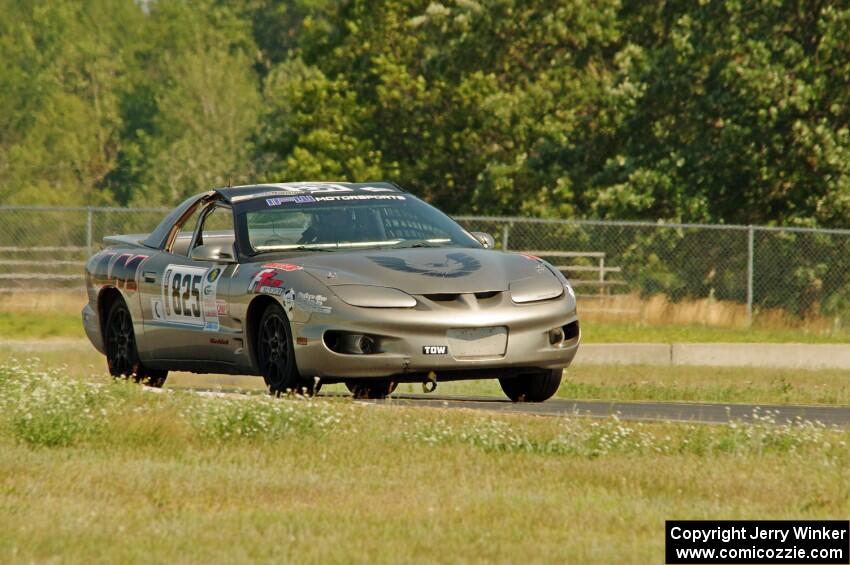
(443, 297)
(571, 331)
(487, 294)
(350, 343)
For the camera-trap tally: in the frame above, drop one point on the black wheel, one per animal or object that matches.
(276, 355)
(534, 387)
(371, 388)
(122, 357)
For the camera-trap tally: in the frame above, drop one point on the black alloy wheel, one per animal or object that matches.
(276, 355)
(371, 389)
(534, 387)
(122, 356)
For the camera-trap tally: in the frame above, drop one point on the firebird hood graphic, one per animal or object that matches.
(422, 270)
(455, 265)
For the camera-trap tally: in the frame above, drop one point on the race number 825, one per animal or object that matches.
(181, 289)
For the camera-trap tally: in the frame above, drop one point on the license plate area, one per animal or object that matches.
(476, 343)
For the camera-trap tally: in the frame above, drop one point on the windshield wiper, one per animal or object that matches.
(408, 243)
(310, 247)
(296, 248)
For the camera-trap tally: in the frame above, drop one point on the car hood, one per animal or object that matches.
(426, 270)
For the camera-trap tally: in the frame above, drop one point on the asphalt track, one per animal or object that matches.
(694, 412)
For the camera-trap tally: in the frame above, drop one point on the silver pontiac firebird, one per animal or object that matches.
(311, 283)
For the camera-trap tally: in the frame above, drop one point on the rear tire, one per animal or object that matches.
(122, 355)
(534, 387)
(371, 389)
(276, 355)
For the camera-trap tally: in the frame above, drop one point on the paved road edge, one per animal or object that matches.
(768, 355)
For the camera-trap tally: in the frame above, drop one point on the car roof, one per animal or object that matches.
(240, 193)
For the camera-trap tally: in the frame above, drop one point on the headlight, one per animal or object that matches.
(533, 289)
(373, 296)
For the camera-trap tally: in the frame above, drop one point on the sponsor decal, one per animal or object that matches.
(434, 349)
(289, 300)
(346, 197)
(301, 341)
(189, 297)
(299, 199)
(322, 187)
(377, 189)
(266, 282)
(265, 194)
(313, 187)
(312, 303)
(456, 265)
(298, 188)
(219, 341)
(117, 269)
(221, 307)
(283, 266)
(158, 309)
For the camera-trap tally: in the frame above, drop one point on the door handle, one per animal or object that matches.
(150, 276)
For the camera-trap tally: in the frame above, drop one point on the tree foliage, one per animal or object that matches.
(700, 111)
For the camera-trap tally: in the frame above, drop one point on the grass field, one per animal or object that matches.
(613, 332)
(586, 382)
(693, 384)
(107, 472)
(37, 325)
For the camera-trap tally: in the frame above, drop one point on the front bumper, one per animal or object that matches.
(402, 334)
(91, 324)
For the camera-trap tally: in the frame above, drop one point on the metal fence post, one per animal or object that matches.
(750, 233)
(601, 275)
(88, 230)
(505, 233)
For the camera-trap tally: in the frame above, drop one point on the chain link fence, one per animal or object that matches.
(718, 274)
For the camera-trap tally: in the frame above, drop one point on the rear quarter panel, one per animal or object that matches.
(115, 270)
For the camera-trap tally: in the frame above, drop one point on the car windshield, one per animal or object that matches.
(370, 222)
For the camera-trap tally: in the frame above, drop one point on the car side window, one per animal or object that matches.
(182, 240)
(216, 227)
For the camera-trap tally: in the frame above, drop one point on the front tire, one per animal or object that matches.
(534, 387)
(276, 355)
(122, 355)
(371, 389)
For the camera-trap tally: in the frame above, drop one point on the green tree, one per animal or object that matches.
(64, 65)
(312, 128)
(736, 112)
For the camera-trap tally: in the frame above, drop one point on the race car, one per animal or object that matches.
(309, 283)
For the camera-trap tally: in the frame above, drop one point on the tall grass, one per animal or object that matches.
(113, 472)
(660, 310)
(42, 407)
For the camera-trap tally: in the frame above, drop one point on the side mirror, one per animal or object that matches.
(214, 253)
(484, 239)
